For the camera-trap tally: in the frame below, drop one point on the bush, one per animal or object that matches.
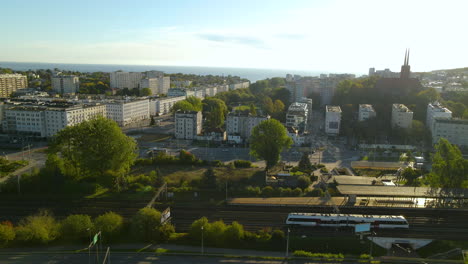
(285, 192)
(186, 157)
(253, 191)
(320, 165)
(164, 232)
(110, 224)
(7, 233)
(315, 193)
(277, 236)
(297, 192)
(242, 164)
(303, 182)
(215, 232)
(76, 227)
(234, 233)
(324, 170)
(324, 256)
(267, 191)
(38, 229)
(145, 224)
(196, 227)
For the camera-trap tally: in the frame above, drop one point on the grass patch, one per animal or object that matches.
(441, 246)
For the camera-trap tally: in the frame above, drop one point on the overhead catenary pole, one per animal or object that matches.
(287, 244)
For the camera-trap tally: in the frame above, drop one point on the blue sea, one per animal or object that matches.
(248, 73)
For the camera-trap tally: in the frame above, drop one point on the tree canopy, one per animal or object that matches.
(192, 103)
(214, 110)
(449, 168)
(94, 148)
(268, 139)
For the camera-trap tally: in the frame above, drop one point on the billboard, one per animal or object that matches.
(359, 228)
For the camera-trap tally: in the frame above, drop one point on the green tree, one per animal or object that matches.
(7, 233)
(145, 224)
(215, 110)
(278, 106)
(449, 168)
(152, 122)
(164, 232)
(110, 224)
(196, 228)
(76, 227)
(234, 234)
(195, 102)
(304, 164)
(209, 178)
(94, 147)
(182, 106)
(215, 232)
(146, 92)
(410, 175)
(268, 139)
(253, 110)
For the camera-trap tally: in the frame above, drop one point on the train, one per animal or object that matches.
(346, 220)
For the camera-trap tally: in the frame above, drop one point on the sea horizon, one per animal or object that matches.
(252, 74)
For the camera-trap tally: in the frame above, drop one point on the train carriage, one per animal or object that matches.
(346, 220)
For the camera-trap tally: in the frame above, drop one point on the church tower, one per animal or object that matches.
(405, 68)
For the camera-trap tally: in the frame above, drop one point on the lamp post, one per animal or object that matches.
(89, 246)
(372, 243)
(202, 251)
(287, 244)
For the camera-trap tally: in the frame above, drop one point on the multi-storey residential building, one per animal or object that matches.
(436, 110)
(366, 111)
(9, 83)
(383, 73)
(151, 83)
(163, 105)
(125, 112)
(402, 116)
(297, 115)
(454, 130)
(47, 120)
(332, 119)
(176, 92)
(240, 85)
(241, 125)
(121, 79)
(211, 91)
(65, 84)
(188, 124)
(164, 84)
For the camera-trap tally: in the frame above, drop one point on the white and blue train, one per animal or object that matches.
(346, 220)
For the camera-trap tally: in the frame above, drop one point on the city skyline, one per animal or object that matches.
(331, 36)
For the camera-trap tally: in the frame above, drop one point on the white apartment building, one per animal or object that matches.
(188, 124)
(121, 79)
(65, 84)
(163, 106)
(240, 85)
(164, 84)
(332, 119)
(241, 124)
(9, 83)
(211, 91)
(402, 116)
(297, 115)
(436, 110)
(366, 111)
(125, 112)
(454, 130)
(46, 121)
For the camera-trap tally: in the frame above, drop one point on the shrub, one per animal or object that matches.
(145, 224)
(297, 192)
(285, 192)
(164, 232)
(76, 227)
(242, 164)
(196, 227)
(277, 236)
(315, 193)
(325, 256)
(38, 229)
(253, 191)
(110, 224)
(303, 182)
(267, 191)
(320, 165)
(215, 232)
(324, 170)
(186, 157)
(7, 233)
(234, 233)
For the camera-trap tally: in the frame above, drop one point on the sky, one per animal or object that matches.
(312, 35)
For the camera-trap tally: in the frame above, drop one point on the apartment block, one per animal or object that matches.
(121, 79)
(188, 124)
(125, 112)
(436, 110)
(332, 119)
(454, 130)
(241, 124)
(163, 105)
(402, 116)
(366, 111)
(297, 115)
(9, 83)
(65, 84)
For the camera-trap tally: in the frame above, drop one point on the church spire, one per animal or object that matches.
(407, 59)
(406, 54)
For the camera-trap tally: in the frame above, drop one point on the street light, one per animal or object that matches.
(287, 244)
(202, 251)
(89, 246)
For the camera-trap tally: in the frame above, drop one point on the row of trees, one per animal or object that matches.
(43, 228)
(214, 110)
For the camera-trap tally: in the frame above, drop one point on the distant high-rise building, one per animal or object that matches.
(9, 83)
(66, 84)
(121, 79)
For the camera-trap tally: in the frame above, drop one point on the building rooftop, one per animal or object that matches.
(296, 106)
(366, 107)
(436, 106)
(402, 108)
(7, 75)
(452, 121)
(333, 108)
(397, 191)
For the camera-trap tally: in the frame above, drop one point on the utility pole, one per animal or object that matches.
(287, 244)
(202, 251)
